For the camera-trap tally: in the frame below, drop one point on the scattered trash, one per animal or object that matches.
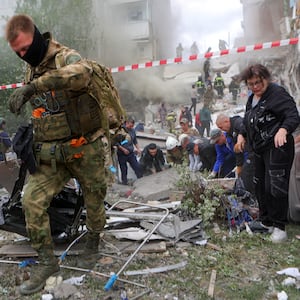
(52, 282)
(75, 280)
(64, 291)
(289, 281)
(156, 270)
(47, 297)
(201, 243)
(155, 222)
(176, 229)
(282, 295)
(133, 233)
(114, 276)
(294, 272)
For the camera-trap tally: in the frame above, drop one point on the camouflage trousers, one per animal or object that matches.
(45, 183)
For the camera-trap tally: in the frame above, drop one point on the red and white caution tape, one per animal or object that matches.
(176, 60)
(11, 86)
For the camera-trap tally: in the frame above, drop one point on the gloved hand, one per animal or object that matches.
(20, 97)
(212, 175)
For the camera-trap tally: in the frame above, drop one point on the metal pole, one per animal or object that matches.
(114, 276)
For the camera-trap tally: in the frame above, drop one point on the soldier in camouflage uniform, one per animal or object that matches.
(71, 134)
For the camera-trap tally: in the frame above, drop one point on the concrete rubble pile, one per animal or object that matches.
(158, 192)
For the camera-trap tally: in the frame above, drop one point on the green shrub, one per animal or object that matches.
(201, 200)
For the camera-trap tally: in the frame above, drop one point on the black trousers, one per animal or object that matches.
(271, 179)
(193, 106)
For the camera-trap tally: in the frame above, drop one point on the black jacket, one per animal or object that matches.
(207, 154)
(276, 109)
(149, 162)
(236, 125)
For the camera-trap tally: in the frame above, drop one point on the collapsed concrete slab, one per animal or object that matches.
(155, 187)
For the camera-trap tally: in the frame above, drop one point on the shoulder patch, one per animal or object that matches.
(72, 58)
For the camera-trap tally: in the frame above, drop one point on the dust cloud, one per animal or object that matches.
(119, 47)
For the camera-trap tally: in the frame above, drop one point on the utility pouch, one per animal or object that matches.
(70, 153)
(51, 127)
(89, 114)
(48, 153)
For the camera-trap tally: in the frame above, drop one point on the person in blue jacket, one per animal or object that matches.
(226, 157)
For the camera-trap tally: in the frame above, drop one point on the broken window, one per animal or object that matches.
(137, 12)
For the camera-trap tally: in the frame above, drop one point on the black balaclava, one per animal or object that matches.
(37, 50)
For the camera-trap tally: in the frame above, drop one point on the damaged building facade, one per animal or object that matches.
(130, 32)
(267, 21)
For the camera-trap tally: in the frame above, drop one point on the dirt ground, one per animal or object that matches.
(245, 267)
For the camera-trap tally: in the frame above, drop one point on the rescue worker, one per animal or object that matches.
(206, 67)
(5, 141)
(209, 97)
(194, 96)
(171, 119)
(219, 85)
(71, 133)
(194, 49)
(174, 151)
(223, 45)
(234, 88)
(179, 50)
(126, 152)
(200, 85)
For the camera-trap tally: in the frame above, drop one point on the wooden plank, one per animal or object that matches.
(212, 283)
(148, 248)
(15, 250)
(25, 250)
(213, 246)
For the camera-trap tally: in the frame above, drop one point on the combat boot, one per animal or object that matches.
(39, 273)
(90, 252)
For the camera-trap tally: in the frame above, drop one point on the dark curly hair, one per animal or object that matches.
(255, 70)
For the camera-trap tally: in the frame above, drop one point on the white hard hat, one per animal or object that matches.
(171, 143)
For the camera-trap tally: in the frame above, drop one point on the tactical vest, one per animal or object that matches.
(219, 81)
(200, 84)
(62, 115)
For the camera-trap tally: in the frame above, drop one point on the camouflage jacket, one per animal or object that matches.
(63, 83)
(73, 77)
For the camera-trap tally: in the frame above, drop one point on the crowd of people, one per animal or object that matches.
(259, 147)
